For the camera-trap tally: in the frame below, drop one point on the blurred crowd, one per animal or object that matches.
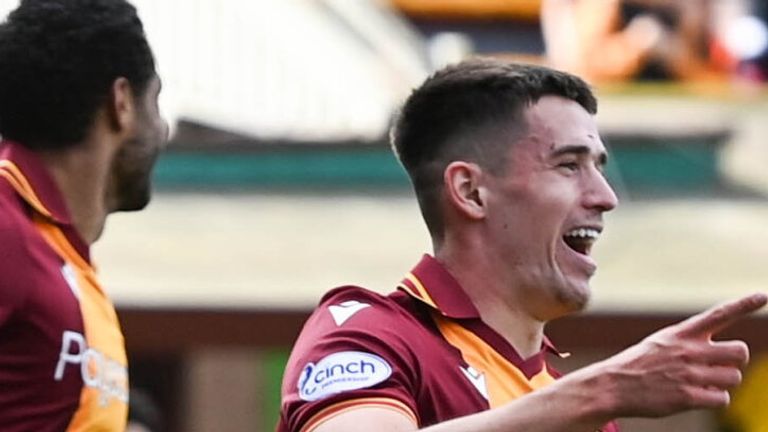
(609, 40)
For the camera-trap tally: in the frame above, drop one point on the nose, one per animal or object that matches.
(600, 194)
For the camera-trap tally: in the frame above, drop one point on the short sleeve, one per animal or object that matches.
(352, 352)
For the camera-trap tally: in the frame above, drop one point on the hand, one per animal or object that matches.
(679, 367)
(647, 33)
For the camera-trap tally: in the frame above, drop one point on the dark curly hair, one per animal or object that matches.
(457, 114)
(58, 60)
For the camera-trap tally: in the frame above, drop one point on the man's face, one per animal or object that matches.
(133, 163)
(545, 210)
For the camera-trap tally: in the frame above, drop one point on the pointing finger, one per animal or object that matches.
(721, 316)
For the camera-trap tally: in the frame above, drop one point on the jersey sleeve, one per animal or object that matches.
(352, 352)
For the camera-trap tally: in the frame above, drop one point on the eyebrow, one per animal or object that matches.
(580, 150)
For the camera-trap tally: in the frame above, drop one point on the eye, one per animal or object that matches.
(571, 166)
(601, 169)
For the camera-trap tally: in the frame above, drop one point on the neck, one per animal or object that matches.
(80, 172)
(493, 296)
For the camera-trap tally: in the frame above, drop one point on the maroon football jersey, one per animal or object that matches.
(422, 351)
(62, 358)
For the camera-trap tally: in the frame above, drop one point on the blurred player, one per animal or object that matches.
(507, 165)
(647, 40)
(81, 132)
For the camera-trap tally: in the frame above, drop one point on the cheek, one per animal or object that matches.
(558, 200)
(533, 211)
(140, 157)
(163, 129)
(545, 221)
(151, 140)
(546, 214)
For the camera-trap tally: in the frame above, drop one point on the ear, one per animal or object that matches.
(465, 192)
(121, 106)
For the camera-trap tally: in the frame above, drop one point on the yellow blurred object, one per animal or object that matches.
(521, 9)
(748, 408)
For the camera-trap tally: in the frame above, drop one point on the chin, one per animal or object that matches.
(134, 199)
(135, 204)
(574, 297)
(132, 177)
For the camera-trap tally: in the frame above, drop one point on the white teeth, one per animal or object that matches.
(584, 233)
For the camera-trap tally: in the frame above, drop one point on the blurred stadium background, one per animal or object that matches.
(279, 185)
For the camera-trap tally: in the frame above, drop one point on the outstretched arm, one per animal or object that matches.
(675, 369)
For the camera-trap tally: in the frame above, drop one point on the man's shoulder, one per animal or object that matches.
(15, 253)
(12, 218)
(352, 321)
(15, 229)
(351, 317)
(351, 291)
(356, 307)
(356, 345)
(14, 222)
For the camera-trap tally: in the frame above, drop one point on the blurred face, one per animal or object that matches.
(545, 210)
(132, 167)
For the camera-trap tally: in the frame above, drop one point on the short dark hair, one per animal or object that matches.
(457, 115)
(58, 60)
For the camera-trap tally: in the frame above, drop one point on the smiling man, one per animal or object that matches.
(507, 165)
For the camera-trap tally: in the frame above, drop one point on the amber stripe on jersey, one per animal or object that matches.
(413, 285)
(12, 173)
(348, 405)
(505, 381)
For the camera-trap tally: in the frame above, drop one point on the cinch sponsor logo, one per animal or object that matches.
(343, 371)
(97, 370)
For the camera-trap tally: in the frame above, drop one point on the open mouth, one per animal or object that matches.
(581, 239)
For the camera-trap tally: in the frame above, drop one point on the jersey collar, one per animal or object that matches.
(39, 179)
(45, 198)
(431, 283)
